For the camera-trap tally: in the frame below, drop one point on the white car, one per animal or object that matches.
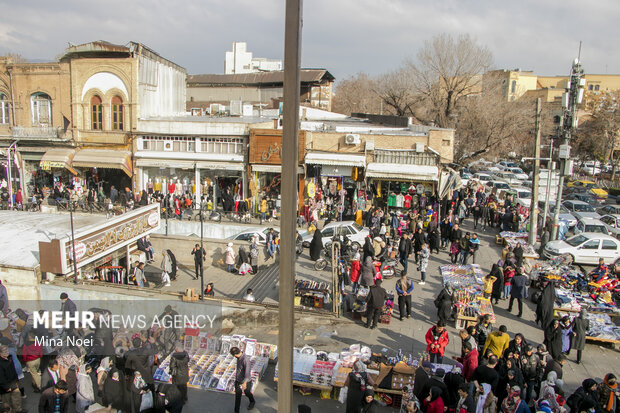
(592, 168)
(247, 234)
(565, 214)
(524, 196)
(504, 165)
(591, 225)
(518, 173)
(355, 232)
(612, 222)
(482, 178)
(497, 186)
(585, 248)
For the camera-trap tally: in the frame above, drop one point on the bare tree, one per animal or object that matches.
(17, 58)
(446, 71)
(397, 90)
(357, 94)
(488, 123)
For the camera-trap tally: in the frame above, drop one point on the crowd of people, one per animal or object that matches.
(115, 372)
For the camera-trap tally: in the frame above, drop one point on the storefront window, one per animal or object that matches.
(166, 180)
(231, 146)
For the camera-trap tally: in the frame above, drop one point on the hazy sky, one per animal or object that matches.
(344, 36)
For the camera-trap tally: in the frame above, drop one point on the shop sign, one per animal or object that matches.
(48, 165)
(266, 146)
(109, 238)
(273, 149)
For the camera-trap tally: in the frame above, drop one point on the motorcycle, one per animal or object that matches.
(387, 268)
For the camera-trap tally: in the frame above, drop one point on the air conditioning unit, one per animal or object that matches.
(352, 139)
(419, 147)
(168, 146)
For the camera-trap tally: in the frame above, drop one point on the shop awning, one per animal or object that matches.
(165, 163)
(220, 166)
(402, 171)
(335, 159)
(274, 169)
(104, 158)
(58, 158)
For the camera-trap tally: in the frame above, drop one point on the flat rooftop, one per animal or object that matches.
(22, 231)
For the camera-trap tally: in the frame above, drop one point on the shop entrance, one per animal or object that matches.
(106, 178)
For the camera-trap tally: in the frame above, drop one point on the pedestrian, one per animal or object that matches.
(355, 272)
(469, 360)
(466, 402)
(179, 369)
(141, 396)
(54, 399)
(567, 334)
(85, 395)
(418, 240)
(229, 257)
(455, 239)
(404, 288)
(51, 375)
(368, 272)
(144, 245)
(464, 248)
(488, 281)
(433, 403)
(67, 307)
(445, 228)
(114, 391)
(443, 303)
(404, 251)
(32, 352)
(199, 257)
(608, 394)
(168, 399)
(498, 284)
(356, 383)
(544, 307)
(553, 338)
(483, 329)
(433, 237)
(254, 253)
(423, 263)
(517, 291)
(585, 397)
(472, 248)
(4, 299)
(485, 400)
(249, 295)
(580, 327)
(509, 273)
(513, 403)
(375, 302)
(531, 368)
(316, 245)
(140, 279)
(421, 378)
(436, 341)
(9, 387)
(243, 378)
(477, 214)
(497, 342)
(166, 269)
(271, 243)
(370, 405)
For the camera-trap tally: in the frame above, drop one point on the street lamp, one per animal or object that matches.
(202, 280)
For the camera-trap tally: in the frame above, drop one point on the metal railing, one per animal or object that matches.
(36, 132)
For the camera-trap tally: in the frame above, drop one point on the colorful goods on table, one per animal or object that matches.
(211, 367)
(510, 234)
(466, 280)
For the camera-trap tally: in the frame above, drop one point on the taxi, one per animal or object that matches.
(588, 185)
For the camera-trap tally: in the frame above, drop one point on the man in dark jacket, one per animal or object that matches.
(436, 380)
(404, 251)
(531, 367)
(179, 369)
(243, 379)
(518, 291)
(9, 388)
(54, 399)
(555, 365)
(144, 245)
(50, 375)
(67, 306)
(375, 303)
(199, 258)
(445, 228)
(455, 237)
(404, 288)
(422, 376)
(584, 396)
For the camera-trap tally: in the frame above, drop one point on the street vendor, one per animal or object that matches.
(599, 272)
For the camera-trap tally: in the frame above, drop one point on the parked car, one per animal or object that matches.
(589, 186)
(585, 197)
(524, 196)
(507, 177)
(248, 233)
(586, 248)
(518, 173)
(503, 165)
(612, 222)
(610, 209)
(591, 168)
(482, 178)
(497, 185)
(355, 232)
(565, 214)
(591, 225)
(580, 209)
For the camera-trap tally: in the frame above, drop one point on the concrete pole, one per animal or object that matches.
(535, 184)
(288, 189)
(550, 169)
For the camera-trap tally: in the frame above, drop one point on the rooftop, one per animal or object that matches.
(261, 78)
(22, 231)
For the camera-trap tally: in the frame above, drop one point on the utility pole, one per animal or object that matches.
(288, 189)
(534, 204)
(550, 169)
(202, 278)
(570, 99)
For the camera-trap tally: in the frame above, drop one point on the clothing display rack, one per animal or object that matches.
(112, 274)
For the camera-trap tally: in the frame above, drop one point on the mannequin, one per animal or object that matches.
(178, 188)
(171, 187)
(185, 185)
(150, 186)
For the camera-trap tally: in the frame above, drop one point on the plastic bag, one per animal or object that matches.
(245, 268)
(342, 397)
(146, 402)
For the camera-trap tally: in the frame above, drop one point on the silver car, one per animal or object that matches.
(612, 222)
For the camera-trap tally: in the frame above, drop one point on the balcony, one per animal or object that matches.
(36, 132)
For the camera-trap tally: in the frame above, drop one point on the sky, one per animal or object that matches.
(343, 36)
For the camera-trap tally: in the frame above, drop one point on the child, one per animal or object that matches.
(355, 272)
(488, 285)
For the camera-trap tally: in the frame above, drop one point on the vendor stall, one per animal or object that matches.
(212, 367)
(469, 303)
(511, 239)
(311, 293)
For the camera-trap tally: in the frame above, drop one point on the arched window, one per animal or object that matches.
(117, 113)
(4, 109)
(41, 107)
(96, 113)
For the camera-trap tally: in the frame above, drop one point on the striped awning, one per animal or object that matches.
(58, 158)
(402, 171)
(336, 159)
(104, 158)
